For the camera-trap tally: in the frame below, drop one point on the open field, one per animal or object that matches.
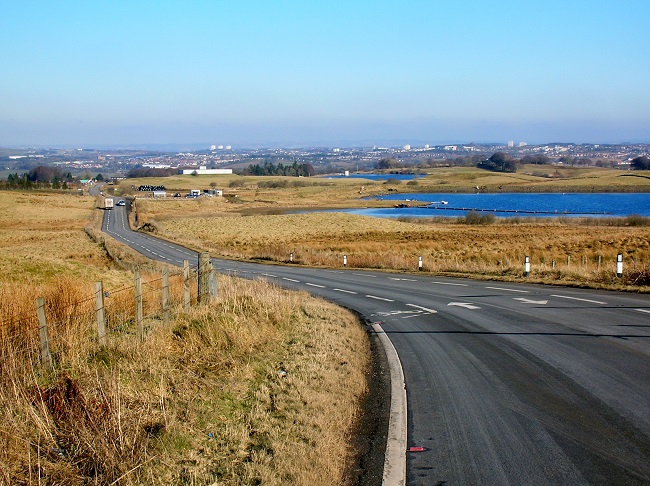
(562, 251)
(255, 225)
(262, 386)
(346, 192)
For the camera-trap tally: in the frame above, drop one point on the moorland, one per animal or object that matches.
(271, 218)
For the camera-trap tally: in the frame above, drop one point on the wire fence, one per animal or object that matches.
(72, 325)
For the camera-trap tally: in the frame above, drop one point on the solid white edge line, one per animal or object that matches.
(395, 456)
(576, 298)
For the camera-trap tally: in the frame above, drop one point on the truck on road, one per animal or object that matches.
(106, 203)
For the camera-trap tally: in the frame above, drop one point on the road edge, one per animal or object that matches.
(395, 457)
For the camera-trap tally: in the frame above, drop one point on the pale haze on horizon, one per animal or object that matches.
(323, 73)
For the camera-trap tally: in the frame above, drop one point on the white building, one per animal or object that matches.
(204, 171)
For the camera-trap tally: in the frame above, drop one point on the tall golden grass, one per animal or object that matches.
(260, 387)
(562, 251)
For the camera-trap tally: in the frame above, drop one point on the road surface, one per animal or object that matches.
(507, 384)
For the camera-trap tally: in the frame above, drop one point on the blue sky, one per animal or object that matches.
(247, 73)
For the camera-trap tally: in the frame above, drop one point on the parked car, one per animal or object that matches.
(121, 202)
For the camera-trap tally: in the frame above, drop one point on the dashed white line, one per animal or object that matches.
(315, 285)
(447, 283)
(269, 275)
(402, 279)
(289, 279)
(509, 290)
(643, 310)
(379, 298)
(346, 291)
(582, 300)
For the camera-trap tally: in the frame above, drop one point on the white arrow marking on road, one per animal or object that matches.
(423, 308)
(582, 300)
(529, 301)
(466, 305)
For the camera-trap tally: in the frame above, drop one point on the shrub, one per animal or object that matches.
(473, 217)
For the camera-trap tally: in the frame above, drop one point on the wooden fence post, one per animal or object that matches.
(46, 356)
(165, 294)
(204, 278)
(138, 306)
(213, 283)
(186, 283)
(99, 312)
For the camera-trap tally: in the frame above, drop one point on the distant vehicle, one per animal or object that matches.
(195, 192)
(121, 202)
(106, 203)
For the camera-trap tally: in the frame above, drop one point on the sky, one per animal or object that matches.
(300, 73)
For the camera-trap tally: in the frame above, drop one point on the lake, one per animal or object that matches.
(514, 204)
(377, 177)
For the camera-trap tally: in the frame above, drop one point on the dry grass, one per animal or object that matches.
(496, 250)
(261, 387)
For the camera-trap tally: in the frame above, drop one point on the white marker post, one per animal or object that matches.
(291, 257)
(527, 266)
(345, 260)
(420, 263)
(619, 265)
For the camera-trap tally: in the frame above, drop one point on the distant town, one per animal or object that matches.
(324, 160)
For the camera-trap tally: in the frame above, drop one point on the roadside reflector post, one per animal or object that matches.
(291, 257)
(619, 265)
(420, 263)
(345, 260)
(527, 266)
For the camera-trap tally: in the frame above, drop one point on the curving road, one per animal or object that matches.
(507, 384)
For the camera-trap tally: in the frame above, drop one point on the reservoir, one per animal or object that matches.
(513, 205)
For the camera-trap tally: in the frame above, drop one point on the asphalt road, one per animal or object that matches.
(506, 383)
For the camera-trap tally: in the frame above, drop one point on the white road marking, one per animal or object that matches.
(509, 290)
(466, 305)
(379, 298)
(447, 283)
(643, 310)
(530, 301)
(315, 285)
(289, 279)
(364, 275)
(423, 308)
(270, 275)
(346, 291)
(582, 300)
(402, 279)
(412, 313)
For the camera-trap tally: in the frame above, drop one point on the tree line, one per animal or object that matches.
(270, 169)
(38, 178)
